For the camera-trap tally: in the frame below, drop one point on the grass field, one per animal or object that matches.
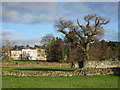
(60, 82)
(106, 81)
(38, 69)
(21, 61)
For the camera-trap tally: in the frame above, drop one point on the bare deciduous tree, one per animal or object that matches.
(82, 35)
(6, 51)
(47, 39)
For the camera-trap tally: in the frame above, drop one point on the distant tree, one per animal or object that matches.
(115, 46)
(101, 51)
(27, 46)
(46, 40)
(54, 46)
(82, 35)
(15, 47)
(22, 47)
(36, 46)
(57, 50)
(6, 51)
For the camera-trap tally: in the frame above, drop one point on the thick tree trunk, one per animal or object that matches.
(85, 63)
(85, 59)
(86, 55)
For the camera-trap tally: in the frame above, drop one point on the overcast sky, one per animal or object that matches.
(26, 22)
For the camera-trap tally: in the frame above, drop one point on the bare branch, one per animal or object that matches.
(104, 23)
(82, 27)
(64, 32)
(81, 47)
(77, 33)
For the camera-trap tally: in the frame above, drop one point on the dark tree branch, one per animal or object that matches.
(104, 23)
(82, 27)
(80, 36)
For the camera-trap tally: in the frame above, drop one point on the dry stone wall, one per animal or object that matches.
(89, 64)
(33, 64)
(102, 64)
(88, 71)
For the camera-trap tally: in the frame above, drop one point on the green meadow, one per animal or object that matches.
(98, 81)
(60, 82)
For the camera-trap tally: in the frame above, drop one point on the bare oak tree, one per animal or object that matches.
(82, 35)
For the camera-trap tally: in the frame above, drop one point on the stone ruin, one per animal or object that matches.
(79, 72)
(102, 64)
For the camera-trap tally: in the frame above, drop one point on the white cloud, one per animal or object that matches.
(11, 15)
(36, 13)
(29, 13)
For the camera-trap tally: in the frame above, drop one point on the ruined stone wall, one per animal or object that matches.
(102, 64)
(87, 71)
(34, 64)
(89, 64)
